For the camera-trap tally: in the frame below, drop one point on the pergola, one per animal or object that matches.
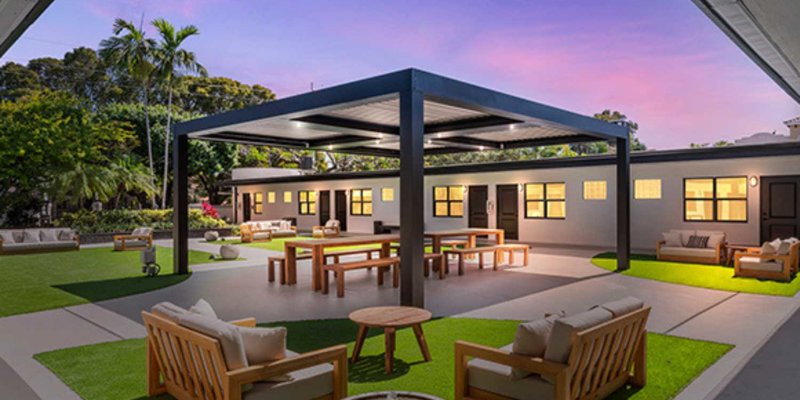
(404, 114)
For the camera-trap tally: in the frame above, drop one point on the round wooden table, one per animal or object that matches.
(390, 319)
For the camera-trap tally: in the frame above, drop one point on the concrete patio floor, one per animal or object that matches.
(554, 280)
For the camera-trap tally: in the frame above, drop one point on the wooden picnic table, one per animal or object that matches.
(317, 248)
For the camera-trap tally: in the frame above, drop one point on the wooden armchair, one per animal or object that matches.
(138, 239)
(602, 359)
(189, 365)
(753, 264)
(330, 229)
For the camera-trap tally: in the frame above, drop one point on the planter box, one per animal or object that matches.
(108, 237)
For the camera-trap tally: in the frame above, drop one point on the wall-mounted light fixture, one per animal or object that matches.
(753, 181)
(520, 187)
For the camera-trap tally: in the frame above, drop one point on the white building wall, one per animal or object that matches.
(587, 223)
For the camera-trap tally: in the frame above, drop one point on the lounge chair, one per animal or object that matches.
(585, 356)
(776, 260)
(188, 364)
(140, 238)
(330, 229)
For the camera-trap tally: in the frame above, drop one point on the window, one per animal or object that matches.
(361, 202)
(307, 202)
(287, 197)
(271, 197)
(646, 189)
(387, 194)
(258, 202)
(546, 200)
(715, 199)
(595, 190)
(448, 201)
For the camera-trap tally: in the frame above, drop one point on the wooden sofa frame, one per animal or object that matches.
(718, 259)
(77, 240)
(122, 239)
(170, 346)
(247, 233)
(790, 264)
(602, 360)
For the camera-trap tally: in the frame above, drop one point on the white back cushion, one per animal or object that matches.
(31, 236)
(672, 239)
(560, 343)
(7, 236)
(49, 235)
(623, 306)
(202, 307)
(228, 336)
(168, 311)
(685, 235)
(531, 340)
(262, 345)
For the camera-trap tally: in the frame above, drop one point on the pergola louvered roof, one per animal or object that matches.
(363, 117)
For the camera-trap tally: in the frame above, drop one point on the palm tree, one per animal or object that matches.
(131, 179)
(172, 62)
(131, 51)
(82, 183)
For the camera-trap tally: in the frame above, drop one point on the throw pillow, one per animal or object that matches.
(672, 239)
(263, 345)
(697, 242)
(531, 340)
(203, 308)
(31, 236)
(768, 248)
(7, 237)
(784, 248)
(66, 234)
(48, 235)
(623, 306)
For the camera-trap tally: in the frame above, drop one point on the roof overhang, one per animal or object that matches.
(362, 117)
(15, 17)
(768, 31)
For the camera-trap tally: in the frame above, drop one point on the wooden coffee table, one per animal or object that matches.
(390, 319)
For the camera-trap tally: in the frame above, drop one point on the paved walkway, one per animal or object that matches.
(556, 279)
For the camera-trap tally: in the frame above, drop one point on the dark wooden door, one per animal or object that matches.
(245, 207)
(779, 207)
(324, 205)
(508, 210)
(478, 217)
(340, 208)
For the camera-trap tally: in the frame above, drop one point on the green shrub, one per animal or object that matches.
(85, 221)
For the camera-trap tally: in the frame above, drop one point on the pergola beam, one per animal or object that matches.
(623, 204)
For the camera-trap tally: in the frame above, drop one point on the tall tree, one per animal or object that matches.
(633, 127)
(173, 61)
(131, 51)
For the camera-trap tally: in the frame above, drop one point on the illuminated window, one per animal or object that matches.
(258, 202)
(646, 189)
(271, 197)
(361, 202)
(307, 202)
(448, 201)
(595, 190)
(546, 200)
(715, 199)
(287, 197)
(387, 194)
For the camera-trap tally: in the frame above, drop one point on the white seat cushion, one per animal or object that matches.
(132, 243)
(309, 383)
(39, 246)
(496, 378)
(261, 235)
(756, 264)
(688, 252)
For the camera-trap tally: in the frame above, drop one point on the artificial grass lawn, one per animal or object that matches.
(36, 282)
(705, 276)
(116, 370)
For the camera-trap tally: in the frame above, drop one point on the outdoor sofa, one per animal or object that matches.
(252, 231)
(584, 356)
(776, 260)
(191, 354)
(38, 240)
(140, 238)
(677, 246)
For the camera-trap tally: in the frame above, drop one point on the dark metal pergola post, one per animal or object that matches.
(623, 204)
(180, 206)
(412, 204)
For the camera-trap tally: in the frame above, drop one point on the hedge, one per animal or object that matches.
(85, 221)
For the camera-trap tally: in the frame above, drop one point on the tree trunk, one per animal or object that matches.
(166, 146)
(149, 143)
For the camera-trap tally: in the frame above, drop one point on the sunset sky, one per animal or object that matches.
(664, 64)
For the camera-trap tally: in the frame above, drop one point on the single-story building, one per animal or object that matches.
(749, 192)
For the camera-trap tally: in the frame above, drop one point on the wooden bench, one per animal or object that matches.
(429, 261)
(281, 261)
(340, 268)
(480, 251)
(510, 248)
